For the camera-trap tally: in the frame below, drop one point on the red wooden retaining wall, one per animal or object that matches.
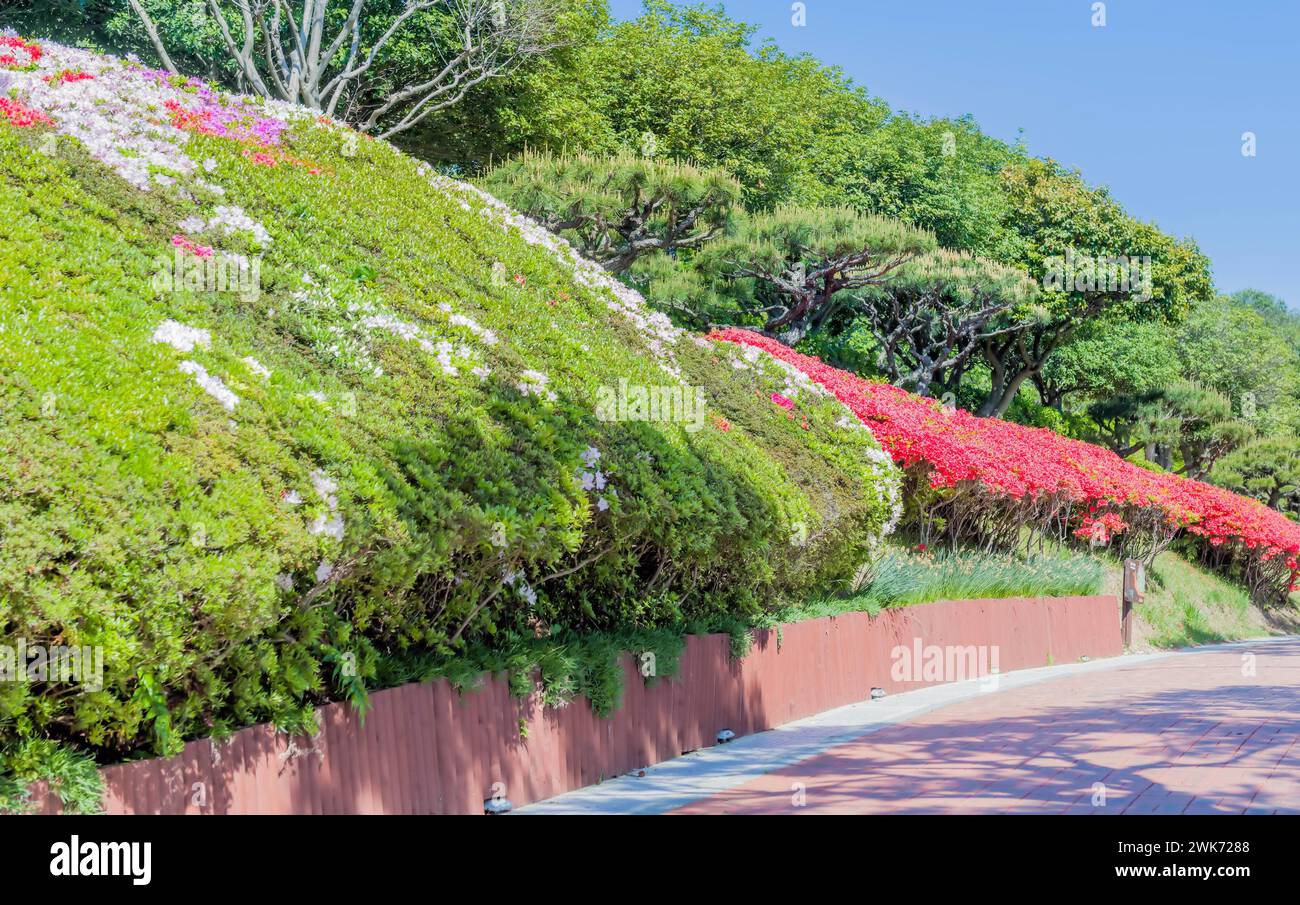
(425, 748)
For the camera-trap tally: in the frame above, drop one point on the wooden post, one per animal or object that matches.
(1135, 586)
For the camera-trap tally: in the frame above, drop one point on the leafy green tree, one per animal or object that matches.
(1073, 236)
(684, 82)
(688, 82)
(935, 312)
(1238, 351)
(678, 288)
(1267, 469)
(546, 102)
(1267, 304)
(1208, 429)
(78, 22)
(679, 82)
(620, 208)
(792, 268)
(1186, 418)
(941, 174)
(1108, 359)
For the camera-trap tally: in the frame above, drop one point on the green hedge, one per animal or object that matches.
(139, 515)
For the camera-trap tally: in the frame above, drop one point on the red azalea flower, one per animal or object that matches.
(21, 55)
(67, 76)
(20, 115)
(199, 251)
(1010, 462)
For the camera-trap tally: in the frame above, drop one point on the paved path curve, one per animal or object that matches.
(1213, 730)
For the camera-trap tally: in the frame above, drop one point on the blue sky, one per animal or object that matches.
(1152, 105)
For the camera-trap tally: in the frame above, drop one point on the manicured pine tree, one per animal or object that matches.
(794, 266)
(618, 209)
(933, 315)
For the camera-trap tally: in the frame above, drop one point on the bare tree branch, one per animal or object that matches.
(290, 57)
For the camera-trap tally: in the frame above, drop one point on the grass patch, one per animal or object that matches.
(906, 578)
(1187, 605)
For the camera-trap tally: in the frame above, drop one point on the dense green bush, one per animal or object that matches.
(360, 505)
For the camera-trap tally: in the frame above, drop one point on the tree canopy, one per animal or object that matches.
(938, 310)
(792, 266)
(620, 208)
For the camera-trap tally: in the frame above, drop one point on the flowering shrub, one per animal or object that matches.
(19, 114)
(987, 478)
(15, 53)
(274, 158)
(205, 113)
(393, 445)
(199, 251)
(67, 76)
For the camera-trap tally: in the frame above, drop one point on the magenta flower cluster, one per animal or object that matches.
(201, 109)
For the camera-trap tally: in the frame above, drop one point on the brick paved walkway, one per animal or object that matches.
(1209, 732)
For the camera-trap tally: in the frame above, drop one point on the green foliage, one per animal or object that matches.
(1188, 604)
(935, 312)
(558, 668)
(1056, 213)
(906, 578)
(82, 23)
(72, 776)
(679, 82)
(940, 174)
(619, 208)
(962, 278)
(684, 81)
(1267, 469)
(790, 268)
(386, 68)
(1194, 421)
(1108, 358)
(139, 516)
(813, 237)
(1239, 351)
(1062, 223)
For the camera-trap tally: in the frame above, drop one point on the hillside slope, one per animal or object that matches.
(276, 398)
(1187, 604)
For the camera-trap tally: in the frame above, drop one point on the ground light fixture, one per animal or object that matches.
(497, 806)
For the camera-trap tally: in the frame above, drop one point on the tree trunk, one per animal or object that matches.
(1000, 399)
